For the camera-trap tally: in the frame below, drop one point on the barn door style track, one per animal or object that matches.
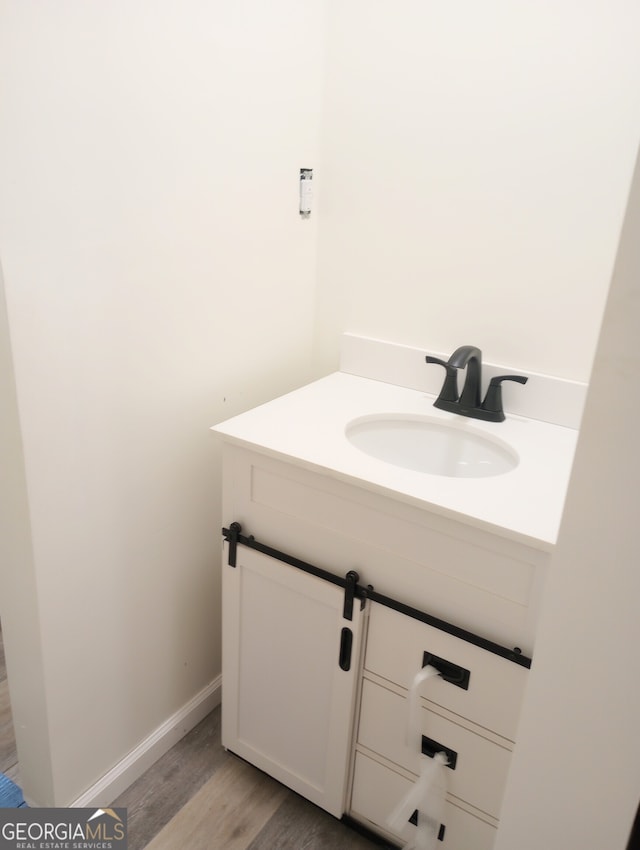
(353, 590)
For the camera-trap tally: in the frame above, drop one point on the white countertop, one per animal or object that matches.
(307, 427)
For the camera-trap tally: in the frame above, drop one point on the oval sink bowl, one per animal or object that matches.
(428, 445)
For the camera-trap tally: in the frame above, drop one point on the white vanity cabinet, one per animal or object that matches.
(470, 712)
(338, 737)
(291, 662)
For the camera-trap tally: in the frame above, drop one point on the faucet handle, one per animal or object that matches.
(449, 391)
(493, 399)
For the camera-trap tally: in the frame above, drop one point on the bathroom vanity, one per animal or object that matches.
(344, 575)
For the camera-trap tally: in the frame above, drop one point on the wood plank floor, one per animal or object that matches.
(201, 797)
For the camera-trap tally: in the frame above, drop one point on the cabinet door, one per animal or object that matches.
(287, 699)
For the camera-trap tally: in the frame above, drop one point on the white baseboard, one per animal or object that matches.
(134, 764)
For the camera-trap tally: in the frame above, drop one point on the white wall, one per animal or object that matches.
(477, 158)
(19, 608)
(575, 779)
(158, 279)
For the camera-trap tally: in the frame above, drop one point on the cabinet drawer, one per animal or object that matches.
(481, 767)
(395, 648)
(376, 792)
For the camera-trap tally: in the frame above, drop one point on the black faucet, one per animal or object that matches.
(471, 357)
(468, 403)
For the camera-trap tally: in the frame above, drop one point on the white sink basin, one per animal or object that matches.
(429, 445)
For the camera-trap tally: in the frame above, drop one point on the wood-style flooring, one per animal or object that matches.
(199, 796)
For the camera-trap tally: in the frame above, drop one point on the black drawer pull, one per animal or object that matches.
(414, 820)
(346, 642)
(450, 672)
(431, 748)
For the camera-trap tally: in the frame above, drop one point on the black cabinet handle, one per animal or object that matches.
(346, 643)
(414, 820)
(450, 672)
(431, 747)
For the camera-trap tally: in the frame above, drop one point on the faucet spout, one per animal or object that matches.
(468, 404)
(470, 357)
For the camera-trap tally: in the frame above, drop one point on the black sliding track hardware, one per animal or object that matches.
(351, 583)
(352, 590)
(233, 535)
(514, 654)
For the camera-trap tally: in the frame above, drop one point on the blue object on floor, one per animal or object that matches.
(10, 795)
